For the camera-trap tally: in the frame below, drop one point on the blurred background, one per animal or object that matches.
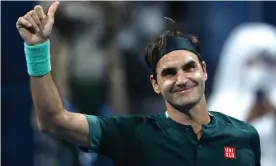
(97, 51)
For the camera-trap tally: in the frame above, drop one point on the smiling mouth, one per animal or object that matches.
(183, 91)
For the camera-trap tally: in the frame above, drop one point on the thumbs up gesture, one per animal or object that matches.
(35, 27)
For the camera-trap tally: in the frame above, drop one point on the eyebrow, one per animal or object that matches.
(189, 63)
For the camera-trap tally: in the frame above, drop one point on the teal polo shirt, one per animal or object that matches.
(157, 140)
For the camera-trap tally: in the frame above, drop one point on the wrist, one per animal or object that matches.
(31, 45)
(38, 58)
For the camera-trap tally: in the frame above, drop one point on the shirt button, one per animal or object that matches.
(199, 146)
(187, 129)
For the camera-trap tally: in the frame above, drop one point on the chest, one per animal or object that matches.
(177, 148)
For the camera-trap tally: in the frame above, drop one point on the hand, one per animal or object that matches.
(36, 27)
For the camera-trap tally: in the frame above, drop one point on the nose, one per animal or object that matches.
(181, 79)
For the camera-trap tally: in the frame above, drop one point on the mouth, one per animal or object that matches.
(184, 90)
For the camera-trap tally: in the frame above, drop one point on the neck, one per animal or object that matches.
(196, 116)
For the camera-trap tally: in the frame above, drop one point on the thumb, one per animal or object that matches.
(52, 10)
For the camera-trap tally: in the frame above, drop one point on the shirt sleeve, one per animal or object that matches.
(95, 134)
(110, 135)
(256, 146)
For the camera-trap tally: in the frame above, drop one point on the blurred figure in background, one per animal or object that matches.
(89, 30)
(145, 22)
(245, 83)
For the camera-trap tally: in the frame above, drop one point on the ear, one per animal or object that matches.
(204, 68)
(154, 84)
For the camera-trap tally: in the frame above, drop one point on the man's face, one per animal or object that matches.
(180, 79)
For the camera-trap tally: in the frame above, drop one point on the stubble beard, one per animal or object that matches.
(191, 102)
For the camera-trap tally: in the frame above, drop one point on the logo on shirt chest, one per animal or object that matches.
(229, 152)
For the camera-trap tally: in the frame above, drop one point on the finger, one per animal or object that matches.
(35, 18)
(52, 11)
(24, 32)
(22, 23)
(39, 11)
(31, 21)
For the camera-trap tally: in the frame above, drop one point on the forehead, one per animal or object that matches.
(177, 58)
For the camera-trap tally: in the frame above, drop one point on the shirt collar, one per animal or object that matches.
(167, 115)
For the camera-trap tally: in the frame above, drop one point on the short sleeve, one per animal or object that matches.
(95, 133)
(110, 135)
(256, 146)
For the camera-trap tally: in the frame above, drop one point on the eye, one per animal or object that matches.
(168, 72)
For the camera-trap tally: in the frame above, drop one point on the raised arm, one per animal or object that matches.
(35, 28)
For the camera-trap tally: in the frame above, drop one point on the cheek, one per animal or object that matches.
(199, 76)
(166, 85)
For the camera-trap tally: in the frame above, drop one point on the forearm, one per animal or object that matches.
(47, 101)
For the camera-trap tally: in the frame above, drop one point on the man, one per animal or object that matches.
(186, 134)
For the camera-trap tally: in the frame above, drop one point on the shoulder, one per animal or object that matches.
(124, 120)
(130, 118)
(225, 120)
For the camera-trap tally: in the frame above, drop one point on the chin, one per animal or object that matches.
(187, 100)
(186, 103)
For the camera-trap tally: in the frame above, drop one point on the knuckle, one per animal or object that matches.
(27, 15)
(31, 12)
(19, 19)
(18, 23)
